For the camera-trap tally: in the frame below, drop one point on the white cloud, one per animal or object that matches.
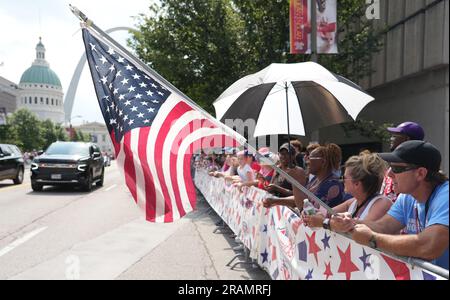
(23, 21)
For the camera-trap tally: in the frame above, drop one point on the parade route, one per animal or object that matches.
(62, 233)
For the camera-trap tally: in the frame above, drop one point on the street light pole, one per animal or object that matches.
(314, 57)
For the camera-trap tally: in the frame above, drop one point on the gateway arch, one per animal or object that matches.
(71, 92)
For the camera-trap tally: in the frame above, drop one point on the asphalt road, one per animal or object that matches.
(64, 233)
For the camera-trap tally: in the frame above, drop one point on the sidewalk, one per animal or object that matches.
(194, 252)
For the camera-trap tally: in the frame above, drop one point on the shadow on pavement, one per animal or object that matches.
(204, 213)
(62, 190)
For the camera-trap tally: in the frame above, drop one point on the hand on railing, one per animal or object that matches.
(268, 202)
(362, 234)
(271, 188)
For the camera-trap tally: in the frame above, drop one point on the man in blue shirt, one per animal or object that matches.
(422, 207)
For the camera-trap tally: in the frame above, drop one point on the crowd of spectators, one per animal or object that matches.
(397, 201)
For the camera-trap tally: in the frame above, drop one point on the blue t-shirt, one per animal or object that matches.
(404, 211)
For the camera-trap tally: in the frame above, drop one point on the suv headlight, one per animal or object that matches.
(82, 167)
(34, 166)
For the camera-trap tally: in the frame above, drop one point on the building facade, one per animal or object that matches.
(410, 79)
(9, 91)
(41, 90)
(99, 135)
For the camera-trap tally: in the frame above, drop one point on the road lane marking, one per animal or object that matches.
(21, 240)
(110, 188)
(15, 186)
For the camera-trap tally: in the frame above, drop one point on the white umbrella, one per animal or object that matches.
(301, 97)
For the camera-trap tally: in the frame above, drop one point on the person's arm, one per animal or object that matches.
(300, 176)
(285, 192)
(272, 201)
(249, 175)
(428, 245)
(386, 225)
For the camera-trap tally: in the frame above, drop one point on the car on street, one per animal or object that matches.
(68, 163)
(11, 163)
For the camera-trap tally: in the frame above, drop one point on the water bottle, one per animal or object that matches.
(308, 208)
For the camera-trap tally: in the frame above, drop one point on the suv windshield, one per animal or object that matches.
(68, 149)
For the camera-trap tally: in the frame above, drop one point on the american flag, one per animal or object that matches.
(154, 130)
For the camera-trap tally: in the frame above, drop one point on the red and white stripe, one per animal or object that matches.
(156, 160)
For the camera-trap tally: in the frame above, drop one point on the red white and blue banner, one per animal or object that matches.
(288, 250)
(300, 26)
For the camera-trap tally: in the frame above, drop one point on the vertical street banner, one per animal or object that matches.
(300, 26)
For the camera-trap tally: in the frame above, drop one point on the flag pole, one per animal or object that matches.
(89, 24)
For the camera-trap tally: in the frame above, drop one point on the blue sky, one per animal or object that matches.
(22, 22)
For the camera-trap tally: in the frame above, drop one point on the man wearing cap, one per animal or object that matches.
(404, 132)
(422, 207)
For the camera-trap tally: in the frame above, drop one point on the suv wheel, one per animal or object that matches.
(88, 185)
(102, 179)
(36, 187)
(19, 176)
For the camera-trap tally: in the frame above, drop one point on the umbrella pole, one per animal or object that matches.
(288, 126)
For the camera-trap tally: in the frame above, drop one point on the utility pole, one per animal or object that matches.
(314, 57)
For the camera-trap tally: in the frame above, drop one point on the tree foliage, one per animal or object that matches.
(202, 47)
(26, 131)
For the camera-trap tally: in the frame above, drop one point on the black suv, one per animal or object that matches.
(11, 163)
(68, 163)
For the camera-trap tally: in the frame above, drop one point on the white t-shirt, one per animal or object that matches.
(242, 172)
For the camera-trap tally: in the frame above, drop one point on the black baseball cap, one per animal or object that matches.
(286, 146)
(419, 153)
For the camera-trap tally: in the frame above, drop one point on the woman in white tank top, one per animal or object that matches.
(362, 179)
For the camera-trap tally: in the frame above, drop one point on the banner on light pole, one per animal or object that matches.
(301, 26)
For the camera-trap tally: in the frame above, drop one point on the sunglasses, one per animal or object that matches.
(402, 169)
(315, 158)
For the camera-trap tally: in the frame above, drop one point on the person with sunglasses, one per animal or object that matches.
(422, 207)
(406, 131)
(362, 179)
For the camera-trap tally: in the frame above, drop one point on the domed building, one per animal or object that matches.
(41, 90)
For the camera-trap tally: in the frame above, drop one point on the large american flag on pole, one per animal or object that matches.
(154, 130)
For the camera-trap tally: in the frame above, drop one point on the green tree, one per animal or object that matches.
(28, 130)
(61, 134)
(194, 44)
(202, 47)
(79, 136)
(48, 133)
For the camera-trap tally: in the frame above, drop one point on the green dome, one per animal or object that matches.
(40, 74)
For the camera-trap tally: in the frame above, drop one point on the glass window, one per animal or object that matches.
(53, 102)
(42, 100)
(46, 101)
(35, 100)
(68, 149)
